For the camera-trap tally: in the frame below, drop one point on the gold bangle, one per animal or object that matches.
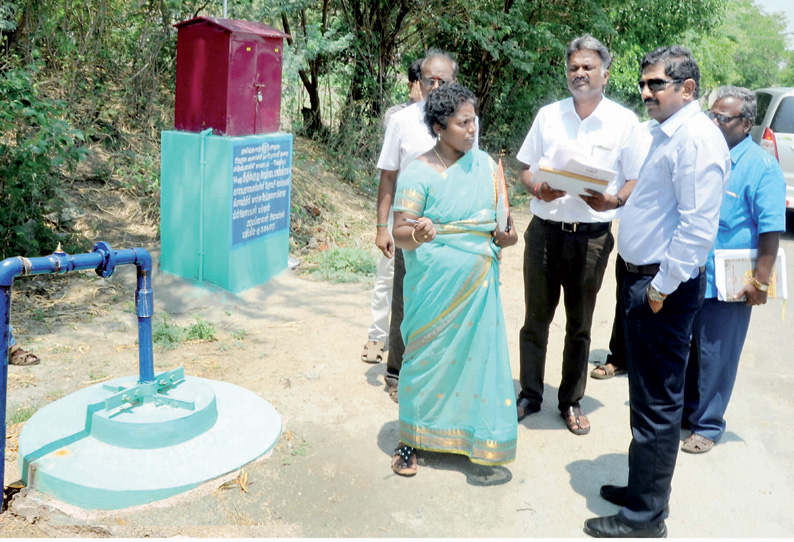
(413, 236)
(760, 286)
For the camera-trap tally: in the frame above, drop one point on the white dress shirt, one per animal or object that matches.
(672, 216)
(610, 134)
(407, 137)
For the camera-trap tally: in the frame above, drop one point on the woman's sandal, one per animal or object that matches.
(17, 356)
(373, 352)
(404, 462)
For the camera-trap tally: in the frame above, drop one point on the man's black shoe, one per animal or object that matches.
(525, 407)
(612, 527)
(616, 494)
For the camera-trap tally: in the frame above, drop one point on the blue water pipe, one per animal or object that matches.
(104, 260)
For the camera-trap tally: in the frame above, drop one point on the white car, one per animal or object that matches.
(774, 131)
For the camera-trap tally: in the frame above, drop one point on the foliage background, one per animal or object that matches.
(95, 78)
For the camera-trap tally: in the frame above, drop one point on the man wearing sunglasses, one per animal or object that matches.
(568, 241)
(752, 215)
(666, 232)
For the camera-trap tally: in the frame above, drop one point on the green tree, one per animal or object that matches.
(36, 146)
(747, 49)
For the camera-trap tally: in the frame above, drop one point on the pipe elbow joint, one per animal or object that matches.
(143, 260)
(9, 269)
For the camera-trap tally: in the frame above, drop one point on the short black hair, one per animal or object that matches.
(678, 63)
(443, 102)
(433, 53)
(415, 70)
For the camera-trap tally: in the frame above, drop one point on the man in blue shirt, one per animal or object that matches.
(752, 215)
(666, 232)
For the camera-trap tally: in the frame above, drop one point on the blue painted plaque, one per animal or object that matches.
(261, 185)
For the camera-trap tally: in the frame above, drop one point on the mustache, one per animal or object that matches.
(650, 101)
(584, 78)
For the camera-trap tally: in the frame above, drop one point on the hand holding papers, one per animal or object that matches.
(571, 171)
(733, 269)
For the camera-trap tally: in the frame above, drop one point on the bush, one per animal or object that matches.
(200, 331)
(165, 334)
(168, 335)
(36, 146)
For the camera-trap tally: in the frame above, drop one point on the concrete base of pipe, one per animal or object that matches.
(80, 453)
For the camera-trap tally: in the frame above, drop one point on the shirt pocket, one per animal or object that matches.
(733, 211)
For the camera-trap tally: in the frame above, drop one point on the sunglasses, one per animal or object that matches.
(431, 81)
(722, 119)
(655, 85)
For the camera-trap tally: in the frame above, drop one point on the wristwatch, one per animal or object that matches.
(655, 295)
(621, 203)
(759, 285)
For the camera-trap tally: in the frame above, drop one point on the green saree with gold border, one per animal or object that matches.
(456, 388)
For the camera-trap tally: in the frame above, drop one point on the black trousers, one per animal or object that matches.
(617, 342)
(575, 263)
(658, 348)
(394, 361)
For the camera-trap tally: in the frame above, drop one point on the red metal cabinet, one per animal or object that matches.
(228, 76)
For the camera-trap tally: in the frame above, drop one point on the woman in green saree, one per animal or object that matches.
(456, 388)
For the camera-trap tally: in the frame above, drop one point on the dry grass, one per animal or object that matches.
(327, 212)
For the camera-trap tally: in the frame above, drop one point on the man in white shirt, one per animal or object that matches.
(406, 138)
(569, 239)
(666, 232)
(380, 303)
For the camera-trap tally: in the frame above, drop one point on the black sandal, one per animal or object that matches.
(525, 407)
(404, 462)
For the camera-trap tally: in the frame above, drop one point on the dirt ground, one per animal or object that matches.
(300, 348)
(296, 342)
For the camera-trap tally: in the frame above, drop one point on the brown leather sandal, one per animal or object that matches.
(17, 356)
(606, 371)
(404, 462)
(573, 417)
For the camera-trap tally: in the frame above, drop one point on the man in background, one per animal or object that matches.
(752, 215)
(378, 333)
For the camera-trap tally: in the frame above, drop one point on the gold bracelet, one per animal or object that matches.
(413, 236)
(760, 286)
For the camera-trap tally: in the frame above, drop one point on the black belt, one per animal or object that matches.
(649, 269)
(575, 227)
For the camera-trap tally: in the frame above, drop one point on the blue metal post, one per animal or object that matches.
(104, 260)
(5, 303)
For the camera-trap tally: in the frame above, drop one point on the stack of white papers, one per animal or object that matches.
(733, 269)
(572, 171)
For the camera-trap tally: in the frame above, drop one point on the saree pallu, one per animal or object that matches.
(456, 388)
